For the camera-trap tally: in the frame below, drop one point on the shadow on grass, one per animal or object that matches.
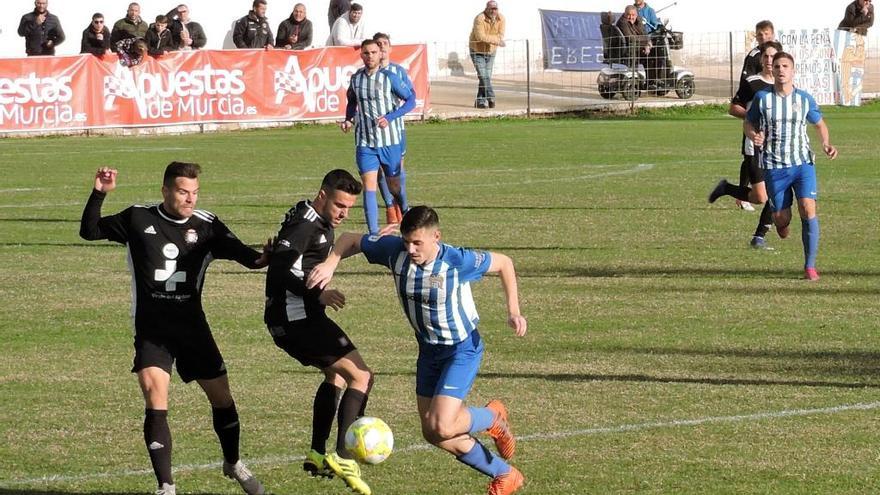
(643, 378)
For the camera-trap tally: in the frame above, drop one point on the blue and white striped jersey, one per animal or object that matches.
(784, 122)
(401, 74)
(436, 297)
(377, 95)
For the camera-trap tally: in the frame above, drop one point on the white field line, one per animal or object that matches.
(624, 428)
(95, 151)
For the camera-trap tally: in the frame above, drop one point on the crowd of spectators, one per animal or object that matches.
(132, 37)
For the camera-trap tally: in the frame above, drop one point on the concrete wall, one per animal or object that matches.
(419, 20)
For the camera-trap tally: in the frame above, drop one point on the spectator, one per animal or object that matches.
(336, 9)
(130, 26)
(858, 17)
(638, 42)
(159, 40)
(349, 30)
(41, 30)
(295, 32)
(131, 51)
(487, 35)
(187, 35)
(96, 37)
(252, 30)
(647, 15)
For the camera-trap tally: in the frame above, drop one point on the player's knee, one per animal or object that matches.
(361, 379)
(436, 431)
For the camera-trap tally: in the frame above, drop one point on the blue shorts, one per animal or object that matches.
(370, 159)
(782, 182)
(448, 369)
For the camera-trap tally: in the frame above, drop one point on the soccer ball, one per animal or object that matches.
(369, 440)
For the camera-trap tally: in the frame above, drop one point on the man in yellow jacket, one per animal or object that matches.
(486, 36)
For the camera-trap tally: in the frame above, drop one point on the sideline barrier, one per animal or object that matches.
(206, 86)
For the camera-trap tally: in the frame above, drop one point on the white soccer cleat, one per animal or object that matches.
(249, 483)
(745, 205)
(166, 489)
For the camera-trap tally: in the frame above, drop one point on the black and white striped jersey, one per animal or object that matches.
(305, 239)
(167, 257)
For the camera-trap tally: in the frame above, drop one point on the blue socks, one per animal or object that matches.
(386, 193)
(481, 419)
(371, 211)
(401, 197)
(481, 459)
(810, 238)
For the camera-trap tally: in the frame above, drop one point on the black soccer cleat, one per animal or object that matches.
(718, 191)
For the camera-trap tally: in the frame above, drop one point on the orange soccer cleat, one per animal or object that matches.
(507, 483)
(505, 443)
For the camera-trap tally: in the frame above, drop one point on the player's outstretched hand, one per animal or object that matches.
(390, 229)
(105, 179)
(320, 275)
(332, 299)
(830, 151)
(264, 258)
(518, 324)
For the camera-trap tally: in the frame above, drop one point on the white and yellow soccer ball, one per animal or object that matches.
(369, 440)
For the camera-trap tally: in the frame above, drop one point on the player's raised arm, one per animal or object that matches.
(91, 224)
(348, 244)
(503, 265)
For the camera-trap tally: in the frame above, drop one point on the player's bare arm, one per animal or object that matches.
(503, 265)
(348, 244)
(827, 147)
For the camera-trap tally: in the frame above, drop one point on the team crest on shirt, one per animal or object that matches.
(191, 236)
(435, 281)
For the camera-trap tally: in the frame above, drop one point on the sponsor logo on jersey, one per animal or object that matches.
(170, 251)
(191, 236)
(323, 239)
(150, 230)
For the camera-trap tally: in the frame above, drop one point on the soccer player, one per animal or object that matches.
(375, 112)
(297, 319)
(433, 280)
(777, 121)
(755, 175)
(169, 248)
(393, 211)
(752, 64)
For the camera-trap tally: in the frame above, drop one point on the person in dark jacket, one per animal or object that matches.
(295, 33)
(859, 16)
(252, 30)
(159, 40)
(41, 30)
(336, 9)
(96, 37)
(188, 35)
(130, 26)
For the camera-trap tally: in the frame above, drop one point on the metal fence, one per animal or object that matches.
(523, 85)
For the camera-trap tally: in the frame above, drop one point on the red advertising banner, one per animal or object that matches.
(83, 91)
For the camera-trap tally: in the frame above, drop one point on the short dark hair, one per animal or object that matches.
(341, 180)
(357, 7)
(368, 41)
(161, 19)
(381, 36)
(139, 47)
(180, 169)
(770, 44)
(762, 25)
(782, 54)
(419, 217)
(260, 2)
(97, 15)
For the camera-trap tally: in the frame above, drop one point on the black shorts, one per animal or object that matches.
(192, 350)
(317, 342)
(753, 167)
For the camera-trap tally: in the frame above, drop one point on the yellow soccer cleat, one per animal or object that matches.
(349, 471)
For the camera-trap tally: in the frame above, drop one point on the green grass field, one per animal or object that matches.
(663, 355)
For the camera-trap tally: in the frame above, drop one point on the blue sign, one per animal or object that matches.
(572, 40)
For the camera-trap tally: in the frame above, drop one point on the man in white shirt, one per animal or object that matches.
(348, 30)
